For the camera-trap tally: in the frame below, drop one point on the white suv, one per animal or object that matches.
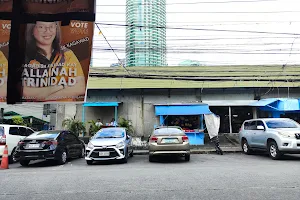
(274, 135)
(10, 135)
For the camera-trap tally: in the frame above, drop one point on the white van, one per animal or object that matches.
(10, 135)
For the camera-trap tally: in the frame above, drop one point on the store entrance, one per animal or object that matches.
(186, 122)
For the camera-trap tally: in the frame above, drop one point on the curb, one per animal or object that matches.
(208, 151)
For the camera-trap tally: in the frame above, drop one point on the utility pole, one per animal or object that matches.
(1, 115)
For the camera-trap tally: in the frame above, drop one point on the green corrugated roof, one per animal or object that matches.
(24, 117)
(195, 77)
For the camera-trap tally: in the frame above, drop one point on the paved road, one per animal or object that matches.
(206, 176)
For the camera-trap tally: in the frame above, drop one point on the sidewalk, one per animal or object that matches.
(200, 150)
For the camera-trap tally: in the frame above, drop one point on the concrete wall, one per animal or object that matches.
(137, 105)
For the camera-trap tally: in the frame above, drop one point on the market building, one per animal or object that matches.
(180, 96)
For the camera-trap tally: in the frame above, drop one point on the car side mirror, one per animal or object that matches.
(127, 137)
(260, 127)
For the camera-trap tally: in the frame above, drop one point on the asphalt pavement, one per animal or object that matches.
(232, 176)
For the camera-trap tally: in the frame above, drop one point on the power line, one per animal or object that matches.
(213, 12)
(112, 49)
(189, 3)
(201, 29)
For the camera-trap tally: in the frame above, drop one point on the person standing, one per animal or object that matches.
(99, 123)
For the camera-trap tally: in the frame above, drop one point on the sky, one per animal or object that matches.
(215, 32)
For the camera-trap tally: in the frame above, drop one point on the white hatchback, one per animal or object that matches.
(10, 135)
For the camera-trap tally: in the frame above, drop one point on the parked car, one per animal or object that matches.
(50, 145)
(109, 144)
(10, 135)
(277, 136)
(169, 141)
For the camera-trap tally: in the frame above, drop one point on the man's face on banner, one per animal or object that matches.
(44, 32)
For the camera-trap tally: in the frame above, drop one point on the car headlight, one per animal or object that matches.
(120, 145)
(283, 134)
(90, 145)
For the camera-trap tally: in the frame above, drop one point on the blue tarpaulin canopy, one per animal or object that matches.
(278, 104)
(181, 109)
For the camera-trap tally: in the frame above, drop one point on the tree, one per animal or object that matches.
(93, 127)
(126, 124)
(18, 120)
(74, 125)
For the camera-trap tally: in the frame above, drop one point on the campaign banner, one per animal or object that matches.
(57, 55)
(5, 25)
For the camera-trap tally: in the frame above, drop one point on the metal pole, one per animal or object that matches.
(1, 115)
(230, 125)
(116, 115)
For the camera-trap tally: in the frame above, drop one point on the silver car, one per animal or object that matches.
(277, 136)
(109, 144)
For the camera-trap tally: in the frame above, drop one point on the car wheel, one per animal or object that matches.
(274, 152)
(187, 157)
(82, 153)
(24, 163)
(89, 162)
(62, 157)
(246, 148)
(13, 157)
(151, 158)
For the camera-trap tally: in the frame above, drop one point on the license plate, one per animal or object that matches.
(104, 153)
(32, 146)
(170, 141)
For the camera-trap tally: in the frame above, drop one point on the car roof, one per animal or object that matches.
(122, 128)
(10, 125)
(160, 127)
(267, 119)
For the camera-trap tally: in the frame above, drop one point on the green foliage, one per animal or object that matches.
(126, 124)
(93, 127)
(18, 120)
(74, 125)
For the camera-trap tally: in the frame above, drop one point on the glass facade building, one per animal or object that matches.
(145, 33)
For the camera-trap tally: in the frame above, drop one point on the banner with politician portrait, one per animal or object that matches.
(5, 26)
(57, 55)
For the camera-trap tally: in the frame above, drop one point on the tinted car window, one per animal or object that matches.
(281, 124)
(29, 132)
(110, 133)
(260, 123)
(247, 126)
(252, 125)
(173, 131)
(14, 131)
(44, 134)
(22, 131)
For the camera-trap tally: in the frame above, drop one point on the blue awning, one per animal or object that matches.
(96, 104)
(278, 104)
(182, 109)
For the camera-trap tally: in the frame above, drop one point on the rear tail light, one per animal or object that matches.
(3, 140)
(153, 139)
(185, 138)
(52, 142)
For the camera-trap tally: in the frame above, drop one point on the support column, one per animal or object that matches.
(161, 120)
(254, 111)
(229, 115)
(201, 122)
(83, 114)
(116, 114)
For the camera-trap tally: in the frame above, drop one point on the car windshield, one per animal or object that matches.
(44, 134)
(110, 133)
(282, 124)
(163, 131)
